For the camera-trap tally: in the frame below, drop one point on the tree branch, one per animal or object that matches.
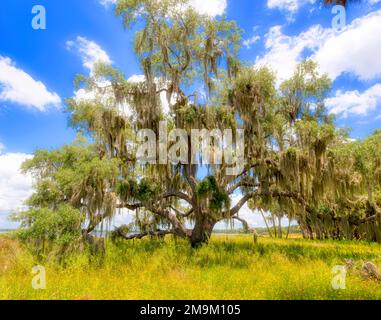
(159, 233)
(182, 214)
(177, 194)
(245, 225)
(273, 194)
(239, 184)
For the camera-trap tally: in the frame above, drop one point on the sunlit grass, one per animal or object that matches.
(231, 267)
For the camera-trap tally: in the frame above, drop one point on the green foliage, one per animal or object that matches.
(253, 92)
(45, 230)
(145, 190)
(177, 43)
(73, 176)
(296, 160)
(208, 188)
(303, 95)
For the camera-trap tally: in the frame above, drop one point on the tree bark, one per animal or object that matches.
(267, 225)
(288, 228)
(310, 232)
(158, 234)
(280, 227)
(274, 226)
(202, 231)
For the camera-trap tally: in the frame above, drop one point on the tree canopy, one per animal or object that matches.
(296, 161)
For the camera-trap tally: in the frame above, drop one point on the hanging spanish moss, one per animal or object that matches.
(298, 164)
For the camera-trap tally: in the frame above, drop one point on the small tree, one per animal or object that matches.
(51, 231)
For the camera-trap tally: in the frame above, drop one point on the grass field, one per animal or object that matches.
(231, 267)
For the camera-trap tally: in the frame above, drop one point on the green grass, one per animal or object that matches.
(231, 267)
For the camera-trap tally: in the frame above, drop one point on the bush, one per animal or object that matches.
(45, 231)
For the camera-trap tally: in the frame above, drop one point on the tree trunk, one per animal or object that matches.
(280, 227)
(317, 233)
(267, 225)
(274, 226)
(288, 228)
(202, 231)
(302, 229)
(310, 232)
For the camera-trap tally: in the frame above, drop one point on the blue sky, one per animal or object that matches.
(37, 67)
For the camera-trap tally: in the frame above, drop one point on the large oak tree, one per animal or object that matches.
(294, 155)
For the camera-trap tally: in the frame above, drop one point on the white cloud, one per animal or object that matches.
(209, 7)
(15, 187)
(89, 51)
(107, 3)
(354, 102)
(136, 78)
(19, 87)
(90, 95)
(285, 52)
(249, 42)
(355, 49)
(291, 6)
(352, 50)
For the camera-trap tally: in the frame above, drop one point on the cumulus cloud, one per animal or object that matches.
(89, 51)
(15, 187)
(91, 95)
(209, 7)
(249, 42)
(352, 50)
(290, 6)
(285, 52)
(19, 87)
(355, 102)
(107, 3)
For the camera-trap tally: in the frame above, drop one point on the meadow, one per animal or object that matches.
(231, 267)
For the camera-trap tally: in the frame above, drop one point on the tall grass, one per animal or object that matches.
(231, 267)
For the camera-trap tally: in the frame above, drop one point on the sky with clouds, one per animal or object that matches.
(37, 67)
